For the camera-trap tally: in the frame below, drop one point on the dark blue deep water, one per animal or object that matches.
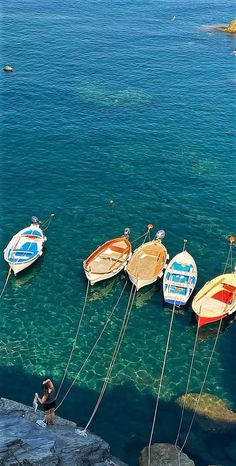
(117, 101)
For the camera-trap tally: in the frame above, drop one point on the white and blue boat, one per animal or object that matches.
(25, 247)
(180, 279)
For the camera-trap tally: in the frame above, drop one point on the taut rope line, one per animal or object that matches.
(75, 339)
(202, 387)
(45, 224)
(5, 284)
(187, 385)
(230, 254)
(145, 235)
(94, 346)
(160, 385)
(115, 354)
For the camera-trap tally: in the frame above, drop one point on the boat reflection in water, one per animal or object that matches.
(144, 297)
(105, 288)
(211, 331)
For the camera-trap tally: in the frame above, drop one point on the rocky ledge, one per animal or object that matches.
(164, 454)
(24, 442)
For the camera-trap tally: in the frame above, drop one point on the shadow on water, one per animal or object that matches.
(124, 419)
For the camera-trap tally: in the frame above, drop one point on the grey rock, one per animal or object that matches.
(23, 442)
(164, 454)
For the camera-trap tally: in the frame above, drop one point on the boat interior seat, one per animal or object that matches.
(180, 272)
(107, 257)
(177, 284)
(117, 249)
(27, 247)
(22, 253)
(211, 307)
(178, 290)
(223, 295)
(35, 237)
(229, 287)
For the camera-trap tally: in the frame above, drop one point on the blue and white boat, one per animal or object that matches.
(25, 247)
(180, 279)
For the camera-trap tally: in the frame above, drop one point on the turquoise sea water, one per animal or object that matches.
(115, 100)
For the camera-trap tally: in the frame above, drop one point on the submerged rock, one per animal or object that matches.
(23, 441)
(164, 454)
(231, 28)
(212, 412)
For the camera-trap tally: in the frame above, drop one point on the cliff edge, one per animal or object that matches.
(23, 441)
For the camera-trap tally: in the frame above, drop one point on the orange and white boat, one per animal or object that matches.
(148, 262)
(108, 259)
(216, 299)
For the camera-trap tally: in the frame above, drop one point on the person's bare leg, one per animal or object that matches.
(52, 416)
(47, 417)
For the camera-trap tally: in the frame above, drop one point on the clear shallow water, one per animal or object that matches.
(116, 102)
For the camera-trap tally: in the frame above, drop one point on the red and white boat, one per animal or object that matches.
(216, 299)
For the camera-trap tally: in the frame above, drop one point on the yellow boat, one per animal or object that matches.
(147, 262)
(216, 299)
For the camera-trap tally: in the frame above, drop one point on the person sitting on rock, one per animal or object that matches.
(48, 401)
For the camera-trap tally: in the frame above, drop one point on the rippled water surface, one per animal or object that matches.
(116, 101)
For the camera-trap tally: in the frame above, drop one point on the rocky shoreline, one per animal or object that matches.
(22, 441)
(25, 442)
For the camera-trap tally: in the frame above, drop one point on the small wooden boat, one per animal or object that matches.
(148, 261)
(25, 247)
(180, 279)
(216, 299)
(108, 259)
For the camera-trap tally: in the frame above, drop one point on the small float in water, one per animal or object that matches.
(8, 69)
(148, 261)
(180, 279)
(108, 259)
(25, 247)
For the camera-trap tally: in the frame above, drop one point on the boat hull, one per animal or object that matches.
(24, 248)
(147, 264)
(180, 279)
(141, 283)
(16, 268)
(107, 260)
(201, 321)
(95, 278)
(216, 299)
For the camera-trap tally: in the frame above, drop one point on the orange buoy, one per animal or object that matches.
(150, 226)
(231, 239)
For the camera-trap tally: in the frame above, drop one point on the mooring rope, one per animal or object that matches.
(140, 237)
(45, 224)
(187, 385)
(115, 354)
(145, 235)
(160, 385)
(75, 339)
(230, 254)
(202, 387)
(94, 346)
(6, 281)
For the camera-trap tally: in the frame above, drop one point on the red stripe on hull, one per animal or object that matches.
(208, 320)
